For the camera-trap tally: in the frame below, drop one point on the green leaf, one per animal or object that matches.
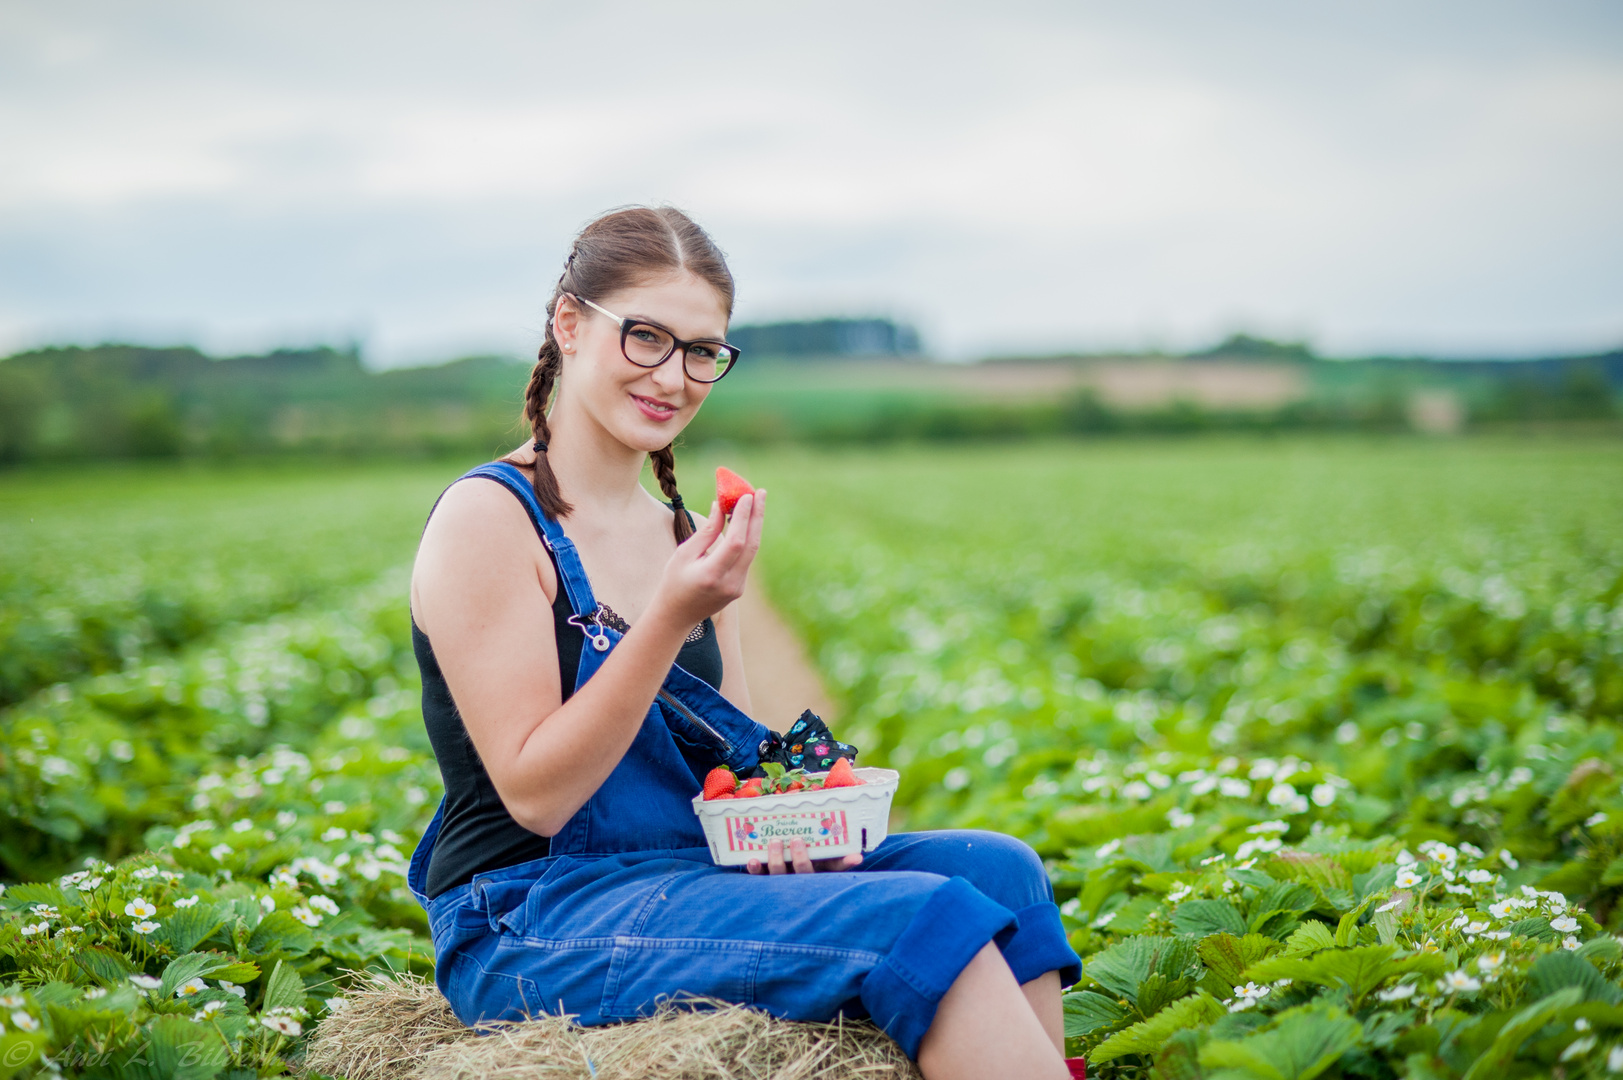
(1121, 967)
(1357, 970)
(280, 931)
(1203, 917)
(1310, 937)
(1157, 991)
(1538, 928)
(1605, 949)
(1559, 970)
(195, 965)
(103, 964)
(1300, 1044)
(1088, 1011)
(285, 990)
(183, 1050)
(1227, 956)
(1497, 1058)
(184, 928)
(773, 769)
(17, 1050)
(1148, 1036)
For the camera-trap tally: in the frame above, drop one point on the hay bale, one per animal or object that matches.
(404, 1030)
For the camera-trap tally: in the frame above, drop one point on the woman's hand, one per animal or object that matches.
(799, 861)
(707, 570)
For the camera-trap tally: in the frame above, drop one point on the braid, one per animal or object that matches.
(665, 469)
(543, 377)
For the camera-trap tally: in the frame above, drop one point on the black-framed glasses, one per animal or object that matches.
(649, 344)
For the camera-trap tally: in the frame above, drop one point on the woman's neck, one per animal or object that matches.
(596, 472)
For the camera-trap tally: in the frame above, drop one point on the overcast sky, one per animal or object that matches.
(1010, 177)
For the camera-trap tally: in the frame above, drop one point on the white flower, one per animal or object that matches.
(1268, 827)
(1219, 857)
(1497, 935)
(1406, 859)
(337, 1003)
(1233, 787)
(306, 916)
(1581, 1024)
(46, 911)
(286, 819)
(145, 873)
(220, 852)
(1461, 981)
(1481, 877)
(140, 908)
(1475, 927)
(282, 1025)
(1508, 859)
(1407, 879)
(241, 826)
(1323, 794)
(1179, 819)
(268, 903)
(324, 903)
(13, 1001)
(144, 927)
(1504, 909)
(1471, 849)
(1390, 904)
(146, 982)
(1178, 894)
(1281, 795)
(190, 988)
(24, 1022)
(1490, 962)
(1137, 790)
(1108, 850)
(1241, 1004)
(95, 992)
(1578, 1047)
(209, 1009)
(1614, 1059)
(1569, 942)
(1104, 920)
(90, 883)
(233, 988)
(1458, 890)
(1251, 990)
(334, 833)
(1566, 924)
(1595, 819)
(1398, 993)
(187, 901)
(29, 930)
(326, 875)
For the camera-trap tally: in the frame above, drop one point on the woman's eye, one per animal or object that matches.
(702, 352)
(646, 335)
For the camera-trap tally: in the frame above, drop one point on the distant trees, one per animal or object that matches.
(825, 338)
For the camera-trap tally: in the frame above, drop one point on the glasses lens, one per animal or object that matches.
(647, 345)
(708, 361)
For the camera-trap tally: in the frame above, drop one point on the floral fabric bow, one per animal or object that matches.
(808, 744)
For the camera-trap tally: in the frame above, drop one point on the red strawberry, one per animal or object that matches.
(842, 776)
(720, 781)
(796, 786)
(750, 790)
(730, 487)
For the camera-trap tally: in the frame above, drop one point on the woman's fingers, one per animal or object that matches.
(774, 858)
(802, 861)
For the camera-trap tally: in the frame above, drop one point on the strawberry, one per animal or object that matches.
(730, 487)
(841, 775)
(750, 790)
(720, 781)
(795, 786)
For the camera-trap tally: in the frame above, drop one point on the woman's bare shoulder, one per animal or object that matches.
(478, 535)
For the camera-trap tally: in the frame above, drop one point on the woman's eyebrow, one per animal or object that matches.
(655, 322)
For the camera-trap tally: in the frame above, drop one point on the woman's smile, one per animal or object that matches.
(655, 409)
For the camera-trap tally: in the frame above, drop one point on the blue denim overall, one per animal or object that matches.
(628, 909)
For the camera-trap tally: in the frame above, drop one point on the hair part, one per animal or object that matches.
(620, 250)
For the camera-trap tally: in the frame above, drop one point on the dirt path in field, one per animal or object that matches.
(781, 678)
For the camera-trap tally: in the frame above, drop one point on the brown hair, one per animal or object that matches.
(621, 249)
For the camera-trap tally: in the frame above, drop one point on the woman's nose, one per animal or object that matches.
(670, 376)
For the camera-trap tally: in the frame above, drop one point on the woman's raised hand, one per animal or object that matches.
(708, 569)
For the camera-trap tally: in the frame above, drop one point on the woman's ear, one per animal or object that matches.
(565, 323)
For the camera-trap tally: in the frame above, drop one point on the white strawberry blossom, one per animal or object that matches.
(1566, 924)
(140, 908)
(233, 988)
(1407, 879)
(24, 1021)
(282, 1025)
(328, 904)
(1461, 981)
(306, 916)
(144, 927)
(191, 988)
(146, 982)
(187, 901)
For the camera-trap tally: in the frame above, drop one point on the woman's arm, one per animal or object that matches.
(480, 590)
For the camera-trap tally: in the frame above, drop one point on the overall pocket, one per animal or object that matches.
(646, 971)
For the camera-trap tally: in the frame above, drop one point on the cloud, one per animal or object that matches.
(1041, 176)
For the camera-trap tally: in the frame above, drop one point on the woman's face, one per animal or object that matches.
(645, 408)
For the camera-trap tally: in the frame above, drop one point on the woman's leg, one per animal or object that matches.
(985, 1029)
(1042, 994)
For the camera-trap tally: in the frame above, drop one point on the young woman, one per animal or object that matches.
(579, 645)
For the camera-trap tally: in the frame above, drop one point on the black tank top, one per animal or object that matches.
(478, 833)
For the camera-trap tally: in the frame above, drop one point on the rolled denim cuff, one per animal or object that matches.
(1040, 946)
(955, 923)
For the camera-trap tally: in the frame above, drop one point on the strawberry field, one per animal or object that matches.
(1319, 740)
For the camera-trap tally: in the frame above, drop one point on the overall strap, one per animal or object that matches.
(571, 573)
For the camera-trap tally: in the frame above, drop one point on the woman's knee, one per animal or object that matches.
(1003, 867)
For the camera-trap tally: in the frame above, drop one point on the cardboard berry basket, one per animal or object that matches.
(832, 822)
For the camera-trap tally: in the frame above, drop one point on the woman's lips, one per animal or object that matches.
(653, 410)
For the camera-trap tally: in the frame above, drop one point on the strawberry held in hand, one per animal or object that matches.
(730, 487)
